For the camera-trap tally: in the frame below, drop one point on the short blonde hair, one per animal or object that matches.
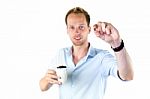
(78, 10)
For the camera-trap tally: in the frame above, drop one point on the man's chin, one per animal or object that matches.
(77, 43)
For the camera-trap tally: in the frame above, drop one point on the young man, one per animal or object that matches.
(88, 68)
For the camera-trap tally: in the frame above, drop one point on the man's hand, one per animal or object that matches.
(51, 77)
(107, 32)
(48, 80)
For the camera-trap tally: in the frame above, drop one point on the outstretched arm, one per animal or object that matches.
(107, 32)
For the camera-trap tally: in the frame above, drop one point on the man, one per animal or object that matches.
(88, 68)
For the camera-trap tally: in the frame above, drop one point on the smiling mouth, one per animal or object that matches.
(77, 38)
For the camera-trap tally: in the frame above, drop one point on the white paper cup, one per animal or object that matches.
(62, 73)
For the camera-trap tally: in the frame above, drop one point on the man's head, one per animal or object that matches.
(77, 21)
(78, 10)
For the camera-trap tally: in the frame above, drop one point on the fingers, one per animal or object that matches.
(50, 71)
(98, 29)
(52, 77)
(108, 29)
(107, 32)
(102, 28)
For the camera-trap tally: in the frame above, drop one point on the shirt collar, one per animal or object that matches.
(91, 51)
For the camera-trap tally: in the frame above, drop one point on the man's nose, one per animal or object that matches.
(77, 30)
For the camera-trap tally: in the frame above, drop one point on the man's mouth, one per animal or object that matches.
(77, 38)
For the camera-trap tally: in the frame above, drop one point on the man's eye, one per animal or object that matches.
(81, 27)
(71, 27)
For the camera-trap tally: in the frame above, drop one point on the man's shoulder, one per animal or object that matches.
(100, 51)
(64, 49)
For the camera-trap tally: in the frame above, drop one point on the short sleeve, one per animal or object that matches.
(109, 64)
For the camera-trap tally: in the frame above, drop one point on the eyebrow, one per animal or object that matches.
(78, 24)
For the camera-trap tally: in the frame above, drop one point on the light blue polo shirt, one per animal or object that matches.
(87, 79)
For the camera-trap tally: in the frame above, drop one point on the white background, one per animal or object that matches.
(32, 30)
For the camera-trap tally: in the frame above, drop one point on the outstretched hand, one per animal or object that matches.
(107, 32)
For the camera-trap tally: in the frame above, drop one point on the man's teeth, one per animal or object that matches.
(77, 38)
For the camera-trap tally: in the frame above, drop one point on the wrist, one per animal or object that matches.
(118, 48)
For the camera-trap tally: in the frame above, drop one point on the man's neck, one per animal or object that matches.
(78, 52)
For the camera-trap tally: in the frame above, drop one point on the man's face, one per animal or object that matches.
(77, 29)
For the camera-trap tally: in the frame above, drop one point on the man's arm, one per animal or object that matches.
(107, 32)
(124, 65)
